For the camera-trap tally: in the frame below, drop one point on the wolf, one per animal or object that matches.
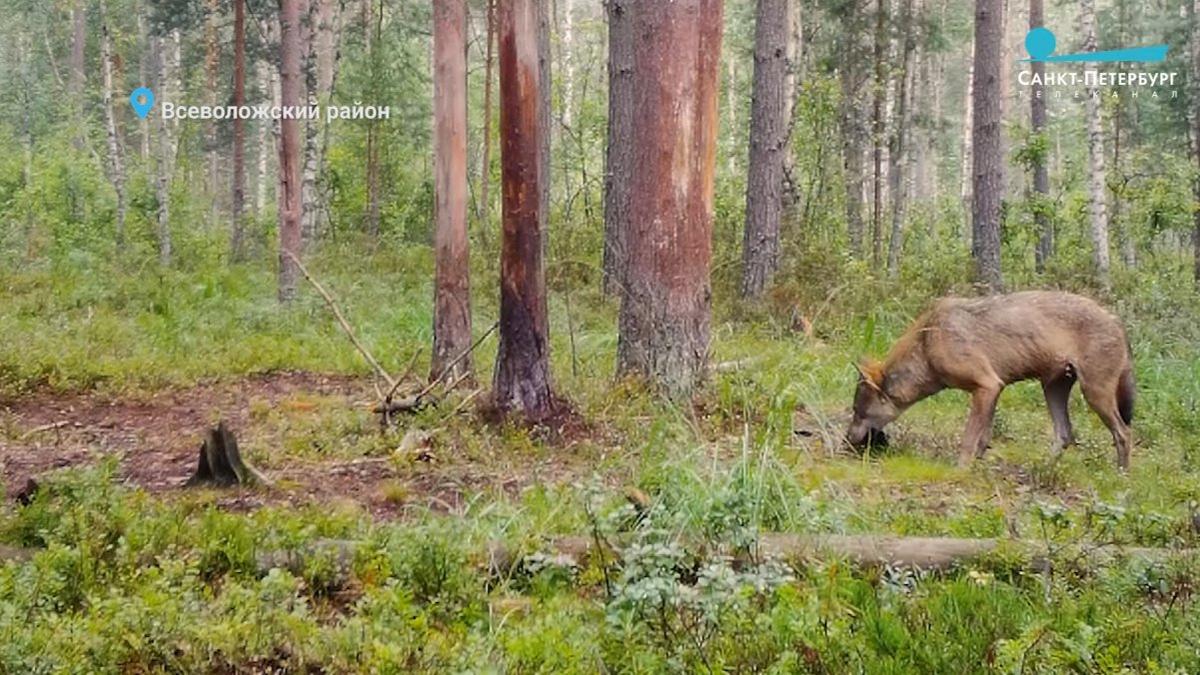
(981, 345)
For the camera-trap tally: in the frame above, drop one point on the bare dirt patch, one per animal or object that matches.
(156, 441)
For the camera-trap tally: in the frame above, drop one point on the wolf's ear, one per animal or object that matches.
(870, 372)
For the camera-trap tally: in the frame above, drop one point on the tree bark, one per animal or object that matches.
(485, 162)
(899, 150)
(166, 57)
(78, 74)
(619, 150)
(212, 63)
(522, 376)
(986, 132)
(1097, 187)
(768, 145)
(878, 124)
(116, 156)
(291, 204)
(853, 131)
(372, 159)
(237, 247)
(1196, 137)
(320, 72)
(964, 188)
(452, 292)
(1041, 178)
(665, 309)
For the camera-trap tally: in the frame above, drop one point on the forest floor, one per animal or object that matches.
(108, 385)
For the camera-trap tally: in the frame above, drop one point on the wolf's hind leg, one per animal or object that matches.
(1058, 397)
(1102, 397)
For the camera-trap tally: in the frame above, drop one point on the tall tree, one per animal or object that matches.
(78, 73)
(373, 31)
(665, 308)
(851, 76)
(291, 203)
(485, 161)
(899, 152)
(452, 292)
(1196, 134)
(165, 54)
(238, 203)
(619, 149)
(986, 132)
(1097, 187)
(522, 375)
(768, 145)
(320, 73)
(212, 66)
(1037, 123)
(878, 124)
(116, 154)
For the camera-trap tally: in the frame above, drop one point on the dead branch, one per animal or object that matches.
(342, 320)
(388, 407)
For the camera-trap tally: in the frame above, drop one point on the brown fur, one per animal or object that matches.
(982, 345)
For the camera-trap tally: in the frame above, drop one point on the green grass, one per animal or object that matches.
(124, 581)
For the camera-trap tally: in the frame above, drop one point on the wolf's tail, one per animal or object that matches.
(1126, 392)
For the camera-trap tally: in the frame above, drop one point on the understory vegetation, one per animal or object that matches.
(127, 580)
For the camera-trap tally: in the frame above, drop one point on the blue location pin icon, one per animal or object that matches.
(142, 100)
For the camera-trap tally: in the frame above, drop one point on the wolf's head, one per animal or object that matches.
(873, 408)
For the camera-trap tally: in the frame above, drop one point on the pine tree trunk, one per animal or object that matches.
(853, 145)
(619, 150)
(768, 136)
(899, 152)
(988, 160)
(1097, 207)
(238, 202)
(290, 198)
(665, 310)
(116, 157)
(522, 375)
(1041, 179)
(452, 292)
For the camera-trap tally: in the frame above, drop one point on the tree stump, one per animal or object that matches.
(221, 463)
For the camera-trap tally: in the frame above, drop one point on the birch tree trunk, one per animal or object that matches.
(116, 158)
(988, 159)
(485, 161)
(964, 188)
(290, 198)
(321, 65)
(165, 55)
(238, 202)
(878, 125)
(1097, 206)
(768, 144)
(521, 382)
(665, 310)
(212, 63)
(619, 149)
(452, 293)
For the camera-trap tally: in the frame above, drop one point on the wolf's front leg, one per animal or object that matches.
(979, 424)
